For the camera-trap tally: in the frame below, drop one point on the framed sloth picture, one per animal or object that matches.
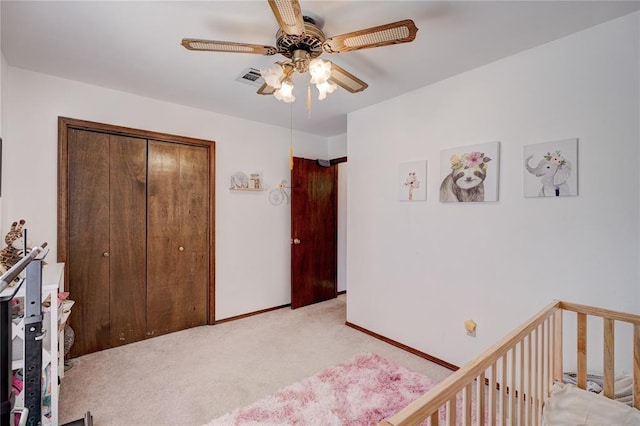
(470, 173)
(551, 169)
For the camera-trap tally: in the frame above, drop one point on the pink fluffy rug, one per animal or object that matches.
(362, 391)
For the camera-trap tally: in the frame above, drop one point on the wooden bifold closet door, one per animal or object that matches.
(138, 240)
(177, 247)
(106, 263)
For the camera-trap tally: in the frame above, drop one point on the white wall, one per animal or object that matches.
(2, 70)
(337, 146)
(417, 270)
(252, 236)
(3, 67)
(343, 174)
(3, 73)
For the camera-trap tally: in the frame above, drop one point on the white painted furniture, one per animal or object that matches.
(53, 342)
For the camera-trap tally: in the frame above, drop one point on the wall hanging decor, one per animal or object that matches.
(551, 169)
(470, 173)
(413, 181)
(278, 195)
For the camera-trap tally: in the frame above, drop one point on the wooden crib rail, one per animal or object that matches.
(514, 376)
(428, 405)
(609, 317)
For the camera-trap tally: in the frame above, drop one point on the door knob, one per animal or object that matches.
(181, 248)
(296, 241)
(105, 254)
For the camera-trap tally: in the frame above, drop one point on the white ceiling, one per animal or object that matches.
(135, 47)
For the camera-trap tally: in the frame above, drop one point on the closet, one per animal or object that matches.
(135, 229)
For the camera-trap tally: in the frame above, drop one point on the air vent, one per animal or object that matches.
(252, 77)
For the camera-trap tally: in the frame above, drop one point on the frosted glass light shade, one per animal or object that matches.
(273, 75)
(285, 92)
(324, 88)
(320, 71)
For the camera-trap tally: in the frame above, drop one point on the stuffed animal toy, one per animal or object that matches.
(13, 252)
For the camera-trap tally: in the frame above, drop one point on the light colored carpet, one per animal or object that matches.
(193, 376)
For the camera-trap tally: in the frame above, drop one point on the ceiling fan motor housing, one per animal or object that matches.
(310, 42)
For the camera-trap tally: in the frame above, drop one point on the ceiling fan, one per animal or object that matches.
(301, 41)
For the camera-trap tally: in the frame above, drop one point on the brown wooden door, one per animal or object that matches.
(107, 192)
(313, 232)
(87, 267)
(127, 251)
(177, 237)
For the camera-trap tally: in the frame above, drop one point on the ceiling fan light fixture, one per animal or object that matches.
(285, 92)
(273, 75)
(320, 71)
(324, 88)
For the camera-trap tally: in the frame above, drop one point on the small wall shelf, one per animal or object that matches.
(242, 182)
(247, 189)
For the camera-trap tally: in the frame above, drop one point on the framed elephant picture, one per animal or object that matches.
(551, 169)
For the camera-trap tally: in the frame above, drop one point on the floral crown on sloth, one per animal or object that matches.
(555, 158)
(469, 160)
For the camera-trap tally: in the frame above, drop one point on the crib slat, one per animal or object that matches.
(534, 377)
(582, 351)
(546, 379)
(451, 412)
(466, 407)
(541, 371)
(550, 355)
(492, 395)
(557, 346)
(529, 387)
(609, 368)
(503, 392)
(521, 395)
(513, 392)
(636, 366)
(481, 403)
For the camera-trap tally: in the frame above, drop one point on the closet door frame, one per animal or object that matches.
(65, 123)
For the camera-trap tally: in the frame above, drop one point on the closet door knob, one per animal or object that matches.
(181, 248)
(105, 254)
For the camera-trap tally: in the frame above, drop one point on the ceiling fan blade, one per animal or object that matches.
(346, 80)
(289, 16)
(382, 35)
(227, 46)
(265, 89)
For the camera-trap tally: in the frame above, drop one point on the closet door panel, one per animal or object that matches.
(194, 264)
(88, 261)
(177, 237)
(128, 200)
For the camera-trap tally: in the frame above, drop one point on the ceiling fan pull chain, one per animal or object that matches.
(309, 100)
(291, 136)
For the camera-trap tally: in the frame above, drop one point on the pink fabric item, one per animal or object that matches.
(17, 385)
(363, 391)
